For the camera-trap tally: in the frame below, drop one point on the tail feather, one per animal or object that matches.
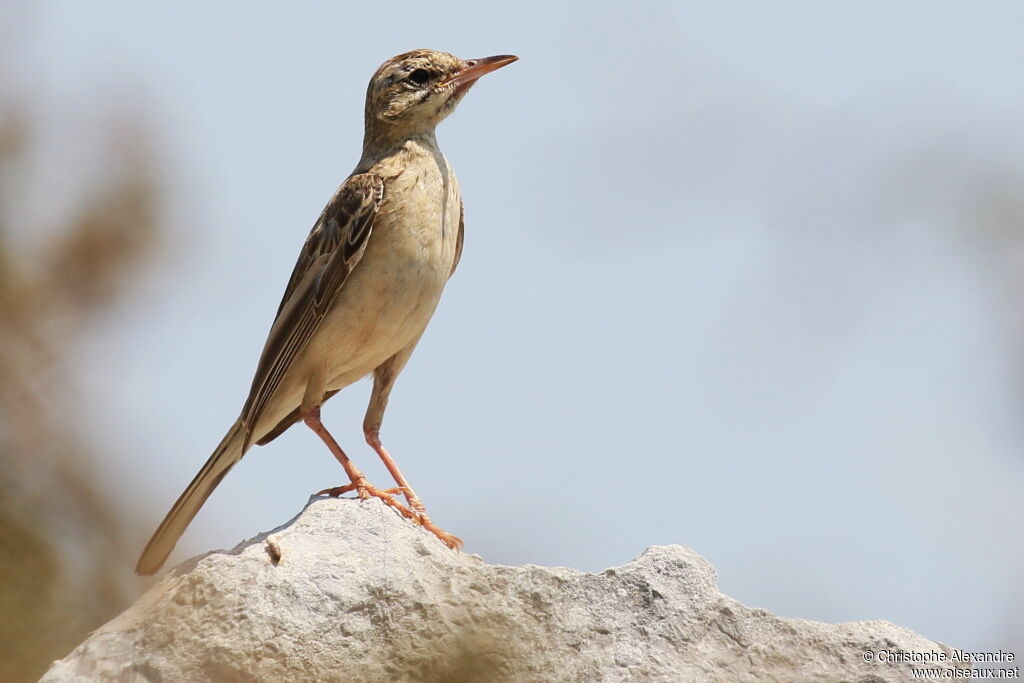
(230, 451)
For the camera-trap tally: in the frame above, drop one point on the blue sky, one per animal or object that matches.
(727, 283)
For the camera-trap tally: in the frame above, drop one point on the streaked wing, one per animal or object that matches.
(332, 250)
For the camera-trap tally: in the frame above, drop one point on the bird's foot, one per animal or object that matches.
(415, 512)
(336, 491)
(365, 490)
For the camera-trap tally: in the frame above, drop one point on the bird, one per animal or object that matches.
(367, 281)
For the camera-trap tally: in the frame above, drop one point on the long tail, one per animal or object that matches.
(230, 451)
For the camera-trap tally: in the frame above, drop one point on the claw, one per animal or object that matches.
(336, 491)
(450, 540)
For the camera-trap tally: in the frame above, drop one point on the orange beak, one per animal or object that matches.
(474, 69)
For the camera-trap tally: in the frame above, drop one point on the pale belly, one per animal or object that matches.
(381, 310)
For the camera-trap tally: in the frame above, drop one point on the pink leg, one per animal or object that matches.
(415, 504)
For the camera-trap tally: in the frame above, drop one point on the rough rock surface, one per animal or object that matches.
(349, 591)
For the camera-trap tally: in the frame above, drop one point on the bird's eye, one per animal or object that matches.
(419, 76)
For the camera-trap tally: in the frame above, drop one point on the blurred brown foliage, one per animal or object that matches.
(62, 547)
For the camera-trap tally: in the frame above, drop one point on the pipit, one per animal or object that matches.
(366, 284)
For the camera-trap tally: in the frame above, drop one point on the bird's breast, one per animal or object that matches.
(419, 220)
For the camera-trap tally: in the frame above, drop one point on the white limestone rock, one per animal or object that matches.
(349, 591)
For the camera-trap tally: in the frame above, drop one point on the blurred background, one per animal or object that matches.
(741, 277)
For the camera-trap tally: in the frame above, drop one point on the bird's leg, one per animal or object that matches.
(359, 484)
(373, 439)
(384, 377)
(372, 433)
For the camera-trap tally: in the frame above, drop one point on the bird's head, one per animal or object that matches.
(411, 93)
